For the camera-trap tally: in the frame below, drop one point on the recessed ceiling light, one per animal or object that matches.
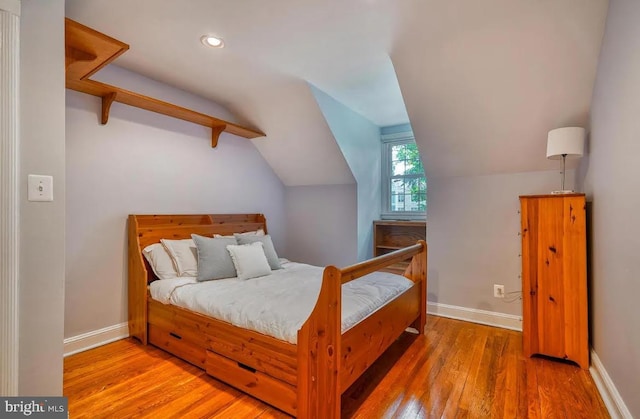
(212, 41)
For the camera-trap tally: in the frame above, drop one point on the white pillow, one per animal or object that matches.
(184, 255)
(160, 261)
(258, 232)
(249, 260)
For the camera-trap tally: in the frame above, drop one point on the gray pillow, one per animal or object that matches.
(267, 244)
(214, 260)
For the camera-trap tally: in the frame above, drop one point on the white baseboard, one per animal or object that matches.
(612, 399)
(95, 338)
(489, 318)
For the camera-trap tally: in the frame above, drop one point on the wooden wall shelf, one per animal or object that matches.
(87, 51)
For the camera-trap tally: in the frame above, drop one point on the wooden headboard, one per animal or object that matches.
(148, 229)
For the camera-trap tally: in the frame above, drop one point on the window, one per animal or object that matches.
(404, 185)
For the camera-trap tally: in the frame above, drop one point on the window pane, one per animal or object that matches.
(398, 168)
(396, 151)
(413, 157)
(422, 185)
(397, 186)
(396, 205)
(409, 153)
(421, 202)
(408, 194)
(412, 185)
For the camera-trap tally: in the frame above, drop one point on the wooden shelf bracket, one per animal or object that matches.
(73, 55)
(215, 134)
(107, 100)
(87, 51)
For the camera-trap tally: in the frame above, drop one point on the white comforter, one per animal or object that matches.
(278, 304)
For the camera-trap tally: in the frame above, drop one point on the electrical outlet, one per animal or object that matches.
(498, 291)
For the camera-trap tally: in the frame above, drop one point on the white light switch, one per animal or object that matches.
(40, 188)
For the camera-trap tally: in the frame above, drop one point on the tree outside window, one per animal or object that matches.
(404, 181)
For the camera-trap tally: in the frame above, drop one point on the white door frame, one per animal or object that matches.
(9, 194)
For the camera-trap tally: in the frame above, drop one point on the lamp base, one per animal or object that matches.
(561, 192)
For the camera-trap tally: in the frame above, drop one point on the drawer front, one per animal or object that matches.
(266, 360)
(177, 345)
(168, 319)
(260, 385)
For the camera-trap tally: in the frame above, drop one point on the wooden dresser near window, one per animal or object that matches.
(554, 277)
(390, 235)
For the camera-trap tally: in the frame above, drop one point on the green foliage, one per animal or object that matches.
(406, 161)
(410, 154)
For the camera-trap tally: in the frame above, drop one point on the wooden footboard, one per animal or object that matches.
(328, 361)
(304, 380)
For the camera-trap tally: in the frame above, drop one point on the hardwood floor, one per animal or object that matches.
(457, 369)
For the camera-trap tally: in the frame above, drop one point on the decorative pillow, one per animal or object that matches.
(249, 260)
(214, 261)
(160, 261)
(184, 255)
(269, 250)
(259, 232)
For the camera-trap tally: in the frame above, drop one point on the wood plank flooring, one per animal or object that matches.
(456, 370)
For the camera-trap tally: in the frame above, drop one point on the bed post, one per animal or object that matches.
(417, 271)
(137, 288)
(319, 352)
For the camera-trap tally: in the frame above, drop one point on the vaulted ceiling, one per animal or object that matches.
(482, 82)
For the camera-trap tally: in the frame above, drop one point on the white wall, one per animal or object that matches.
(472, 231)
(42, 230)
(141, 162)
(322, 224)
(359, 141)
(484, 81)
(612, 174)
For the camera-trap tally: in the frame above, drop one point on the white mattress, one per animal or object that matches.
(278, 304)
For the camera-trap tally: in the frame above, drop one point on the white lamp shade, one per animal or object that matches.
(569, 141)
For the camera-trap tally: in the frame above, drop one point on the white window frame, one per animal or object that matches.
(387, 142)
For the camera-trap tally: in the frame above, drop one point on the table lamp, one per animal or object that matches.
(563, 143)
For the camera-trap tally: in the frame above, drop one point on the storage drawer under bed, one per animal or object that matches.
(264, 387)
(174, 343)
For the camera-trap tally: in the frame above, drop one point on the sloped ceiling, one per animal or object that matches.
(483, 82)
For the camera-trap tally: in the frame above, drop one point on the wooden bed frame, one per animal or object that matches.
(305, 380)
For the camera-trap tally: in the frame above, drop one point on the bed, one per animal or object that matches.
(304, 374)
